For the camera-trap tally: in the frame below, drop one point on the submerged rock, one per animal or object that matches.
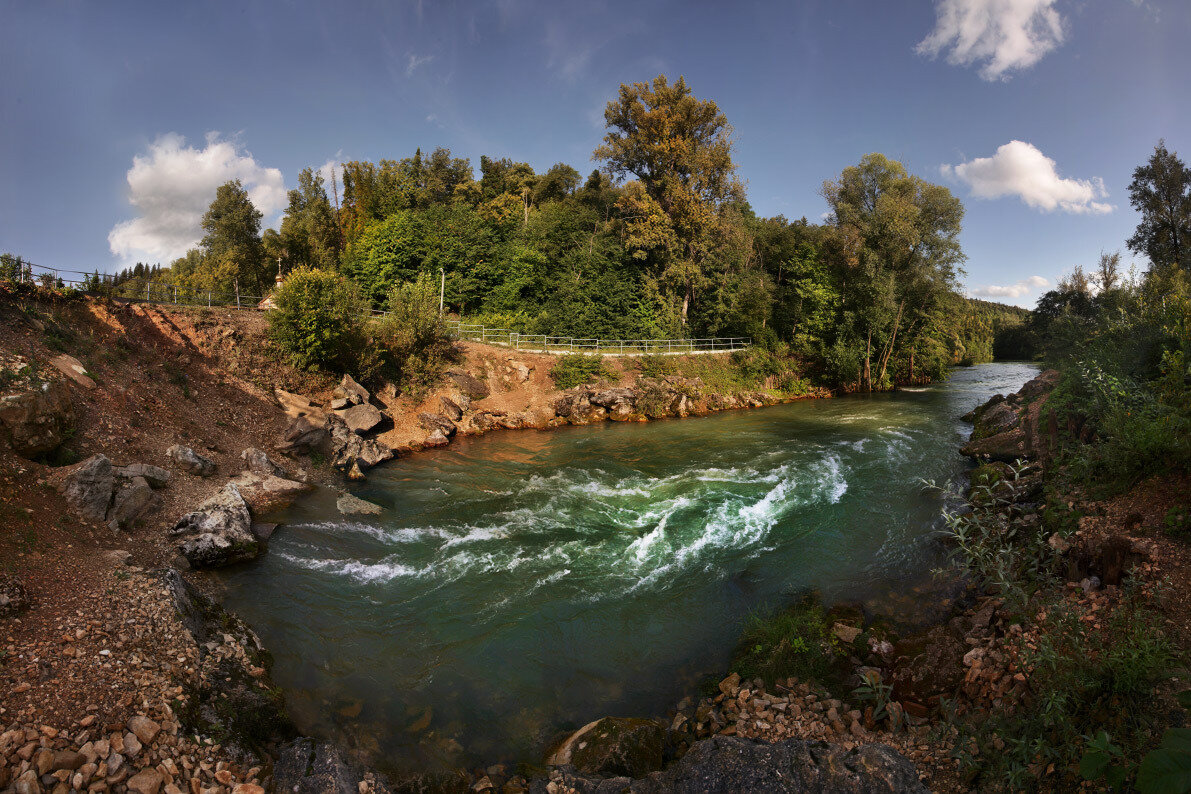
(614, 746)
(353, 505)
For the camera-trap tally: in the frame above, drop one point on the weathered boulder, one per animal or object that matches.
(614, 746)
(729, 764)
(72, 368)
(190, 461)
(470, 385)
(39, 420)
(156, 476)
(351, 391)
(308, 767)
(219, 532)
(452, 409)
(998, 418)
(350, 452)
(618, 402)
(264, 493)
(259, 462)
(13, 597)
(88, 487)
(361, 419)
(437, 438)
(432, 422)
(306, 434)
(353, 505)
(1042, 383)
(1007, 447)
(131, 502)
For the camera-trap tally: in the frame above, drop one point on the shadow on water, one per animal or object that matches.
(525, 582)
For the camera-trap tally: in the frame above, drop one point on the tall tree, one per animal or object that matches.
(909, 254)
(680, 149)
(232, 243)
(1161, 193)
(308, 232)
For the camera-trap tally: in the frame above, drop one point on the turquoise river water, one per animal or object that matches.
(525, 582)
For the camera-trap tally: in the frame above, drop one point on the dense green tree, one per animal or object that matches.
(233, 254)
(908, 255)
(309, 234)
(1161, 194)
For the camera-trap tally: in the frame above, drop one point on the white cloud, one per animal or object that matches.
(1020, 169)
(414, 61)
(1011, 290)
(171, 187)
(1003, 35)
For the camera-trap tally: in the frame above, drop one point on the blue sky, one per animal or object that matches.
(119, 119)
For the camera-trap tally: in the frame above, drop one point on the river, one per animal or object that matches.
(521, 583)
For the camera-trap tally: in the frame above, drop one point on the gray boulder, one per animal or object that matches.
(308, 767)
(156, 476)
(354, 505)
(39, 420)
(264, 493)
(218, 533)
(88, 487)
(733, 765)
(306, 434)
(131, 502)
(190, 461)
(362, 419)
(351, 452)
(351, 391)
(432, 422)
(451, 408)
(259, 462)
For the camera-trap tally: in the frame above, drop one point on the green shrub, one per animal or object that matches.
(319, 320)
(411, 340)
(654, 366)
(574, 370)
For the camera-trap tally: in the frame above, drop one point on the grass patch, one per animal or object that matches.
(575, 370)
(792, 642)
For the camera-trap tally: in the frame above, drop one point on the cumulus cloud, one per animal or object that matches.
(1003, 35)
(171, 187)
(1010, 290)
(1020, 169)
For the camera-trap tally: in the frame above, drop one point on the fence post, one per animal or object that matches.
(237, 294)
(147, 291)
(175, 294)
(208, 299)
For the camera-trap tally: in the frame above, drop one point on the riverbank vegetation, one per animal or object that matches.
(659, 241)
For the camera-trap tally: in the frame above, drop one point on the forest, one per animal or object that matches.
(659, 241)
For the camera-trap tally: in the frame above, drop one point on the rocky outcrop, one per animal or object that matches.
(88, 487)
(352, 392)
(190, 461)
(264, 493)
(133, 499)
(361, 419)
(154, 475)
(305, 435)
(37, 421)
(1012, 428)
(470, 385)
(218, 533)
(452, 409)
(433, 422)
(352, 453)
(742, 766)
(614, 746)
(258, 461)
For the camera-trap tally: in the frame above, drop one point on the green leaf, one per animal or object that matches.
(1184, 698)
(1093, 764)
(1165, 771)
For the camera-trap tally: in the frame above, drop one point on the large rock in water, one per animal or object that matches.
(614, 746)
(39, 420)
(308, 767)
(361, 419)
(219, 532)
(732, 765)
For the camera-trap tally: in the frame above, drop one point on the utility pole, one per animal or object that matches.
(442, 290)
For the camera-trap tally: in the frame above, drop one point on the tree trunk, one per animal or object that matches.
(868, 356)
(888, 352)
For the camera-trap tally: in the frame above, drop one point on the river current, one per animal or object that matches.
(525, 582)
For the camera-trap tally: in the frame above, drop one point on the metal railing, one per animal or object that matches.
(157, 292)
(544, 343)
